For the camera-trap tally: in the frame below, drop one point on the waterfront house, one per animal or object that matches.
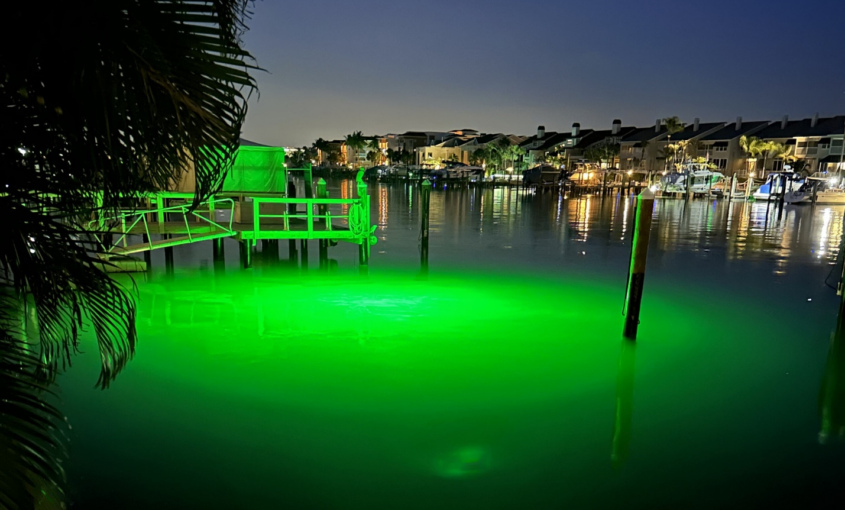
(447, 150)
(721, 147)
(481, 141)
(637, 148)
(816, 141)
(334, 146)
(690, 136)
(545, 142)
(576, 148)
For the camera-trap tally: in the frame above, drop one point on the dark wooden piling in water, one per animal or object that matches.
(364, 246)
(292, 210)
(624, 404)
(639, 254)
(148, 256)
(168, 257)
(246, 253)
(425, 202)
(322, 209)
(218, 253)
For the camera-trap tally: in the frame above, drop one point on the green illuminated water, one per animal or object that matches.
(498, 381)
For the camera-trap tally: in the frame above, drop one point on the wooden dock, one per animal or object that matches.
(245, 217)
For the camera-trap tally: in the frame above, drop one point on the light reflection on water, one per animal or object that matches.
(496, 384)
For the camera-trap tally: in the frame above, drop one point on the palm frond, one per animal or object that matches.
(135, 93)
(31, 441)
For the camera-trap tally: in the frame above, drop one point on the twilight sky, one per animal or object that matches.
(335, 66)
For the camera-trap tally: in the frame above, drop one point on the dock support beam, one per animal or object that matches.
(364, 245)
(303, 244)
(246, 253)
(322, 211)
(148, 256)
(425, 202)
(218, 255)
(292, 210)
(624, 404)
(168, 258)
(639, 253)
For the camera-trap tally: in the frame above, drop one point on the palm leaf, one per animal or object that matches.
(135, 93)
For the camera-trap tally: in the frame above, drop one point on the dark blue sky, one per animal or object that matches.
(334, 66)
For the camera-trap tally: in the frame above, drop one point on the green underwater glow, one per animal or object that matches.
(314, 390)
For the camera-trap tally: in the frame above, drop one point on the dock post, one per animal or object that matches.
(425, 202)
(322, 210)
(364, 246)
(292, 210)
(639, 253)
(246, 253)
(218, 254)
(624, 404)
(733, 187)
(168, 260)
(688, 185)
(148, 256)
(303, 247)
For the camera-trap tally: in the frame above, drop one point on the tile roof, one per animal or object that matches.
(689, 132)
(531, 139)
(553, 141)
(729, 132)
(644, 134)
(590, 137)
(794, 128)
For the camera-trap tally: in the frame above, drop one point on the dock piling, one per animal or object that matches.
(364, 245)
(639, 254)
(425, 202)
(624, 404)
(303, 245)
(292, 210)
(322, 192)
(218, 255)
(246, 253)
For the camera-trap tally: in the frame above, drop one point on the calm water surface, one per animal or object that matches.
(499, 381)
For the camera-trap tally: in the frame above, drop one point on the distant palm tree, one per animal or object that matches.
(668, 153)
(644, 152)
(514, 152)
(673, 125)
(784, 153)
(374, 147)
(323, 147)
(476, 157)
(752, 147)
(770, 148)
(356, 142)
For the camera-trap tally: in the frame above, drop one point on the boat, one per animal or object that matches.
(699, 177)
(464, 172)
(735, 188)
(543, 175)
(817, 190)
(772, 187)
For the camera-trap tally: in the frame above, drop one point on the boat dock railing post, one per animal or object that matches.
(688, 182)
(733, 187)
(425, 201)
(219, 256)
(639, 254)
(364, 242)
(293, 254)
(322, 192)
